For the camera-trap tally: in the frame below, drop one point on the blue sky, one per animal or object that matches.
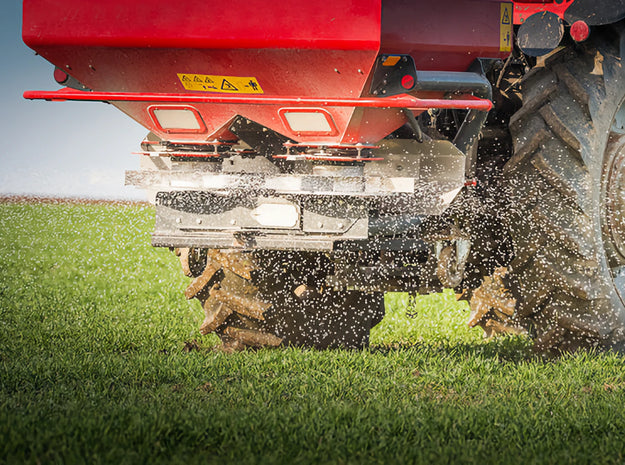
(77, 149)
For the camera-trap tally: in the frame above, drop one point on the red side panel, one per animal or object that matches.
(193, 24)
(445, 35)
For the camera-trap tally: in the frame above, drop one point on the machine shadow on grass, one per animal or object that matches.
(511, 349)
(515, 349)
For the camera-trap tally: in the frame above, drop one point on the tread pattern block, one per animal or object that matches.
(251, 300)
(556, 277)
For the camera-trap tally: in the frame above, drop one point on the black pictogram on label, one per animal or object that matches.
(505, 18)
(225, 85)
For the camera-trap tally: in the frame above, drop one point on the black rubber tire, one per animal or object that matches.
(562, 276)
(319, 317)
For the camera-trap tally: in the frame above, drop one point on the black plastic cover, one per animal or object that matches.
(595, 12)
(391, 75)
(540, 34)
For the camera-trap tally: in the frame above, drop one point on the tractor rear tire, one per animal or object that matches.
(565, 191)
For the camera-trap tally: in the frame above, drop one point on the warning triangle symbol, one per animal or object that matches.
(505, 18)
(225, 85)
(197, 79)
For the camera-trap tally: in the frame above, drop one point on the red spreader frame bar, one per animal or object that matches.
(179, 154)
(358, 147)
(465, 102)
(217, 143)
(311, 157)
(167, 152)
(327, 157)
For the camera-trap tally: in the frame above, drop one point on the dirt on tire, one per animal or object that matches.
(275, 299)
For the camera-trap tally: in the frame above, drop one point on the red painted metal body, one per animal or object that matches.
(315, 53)
(525, 9)
(443, 35)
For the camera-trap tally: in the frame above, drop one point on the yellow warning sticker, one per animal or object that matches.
(505, 28)
(228, 84)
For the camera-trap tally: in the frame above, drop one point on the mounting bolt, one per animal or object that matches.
(199, 221)
(320, 225)
(340, 225)
(178, 220)
(233, 222)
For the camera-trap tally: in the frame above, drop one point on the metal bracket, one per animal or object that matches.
(393, 75)
(452, 259)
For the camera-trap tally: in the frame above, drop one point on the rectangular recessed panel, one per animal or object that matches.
(300, 121)
(177, 119)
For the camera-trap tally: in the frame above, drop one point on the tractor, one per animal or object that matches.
(304, 158)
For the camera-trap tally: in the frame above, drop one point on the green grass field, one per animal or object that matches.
(93, 325)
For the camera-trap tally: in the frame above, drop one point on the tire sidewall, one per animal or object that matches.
(603, 109)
